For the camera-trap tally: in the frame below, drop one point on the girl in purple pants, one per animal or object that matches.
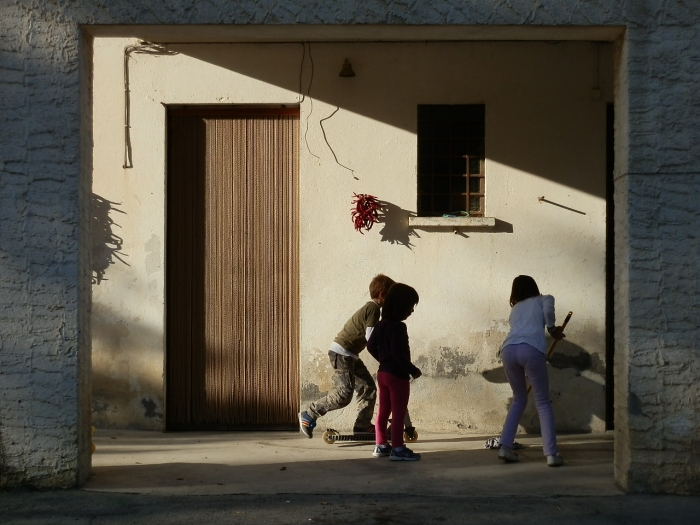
(524, 354)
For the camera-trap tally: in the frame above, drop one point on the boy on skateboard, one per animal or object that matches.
(349, 372)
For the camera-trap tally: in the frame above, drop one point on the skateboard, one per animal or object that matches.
(330, 436)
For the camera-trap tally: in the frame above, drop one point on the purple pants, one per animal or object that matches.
(393, 399)
(519, 361)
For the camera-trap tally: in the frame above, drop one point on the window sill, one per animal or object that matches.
(451, 222)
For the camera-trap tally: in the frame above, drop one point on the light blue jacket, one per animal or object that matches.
(528, 319)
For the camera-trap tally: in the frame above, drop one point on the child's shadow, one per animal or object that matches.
(395, 228)
(572, 393)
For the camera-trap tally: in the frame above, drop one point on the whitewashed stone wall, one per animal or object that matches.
(657, 186)
(44, 196)
(44, 279)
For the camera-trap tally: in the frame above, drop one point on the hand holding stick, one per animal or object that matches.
(554, 343)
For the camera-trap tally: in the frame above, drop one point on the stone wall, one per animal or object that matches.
(657, 184)
(44, 284)
(44, 195)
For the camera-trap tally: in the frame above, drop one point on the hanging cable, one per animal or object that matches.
(147, 48)
(301, 71)
(320, 122)
(308, 92)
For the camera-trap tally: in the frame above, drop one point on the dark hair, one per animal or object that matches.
(399, 302)
(380, 283)
(524, 287)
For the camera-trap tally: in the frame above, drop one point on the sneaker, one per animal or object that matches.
(507, 454)
(406, 454)
(363, 430)
(306, 424)
(381, 451)
(555, 461)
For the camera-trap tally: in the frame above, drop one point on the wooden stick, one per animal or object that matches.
(554, 343)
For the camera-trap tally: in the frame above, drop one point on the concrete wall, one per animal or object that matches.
(44, 198)
(545, 136)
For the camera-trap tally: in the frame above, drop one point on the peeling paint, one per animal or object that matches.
(150, 407)
(311, 392)
(318, 370)
(450, 364)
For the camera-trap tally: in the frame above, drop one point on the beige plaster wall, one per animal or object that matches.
(545, 136)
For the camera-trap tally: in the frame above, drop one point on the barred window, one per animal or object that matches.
(451, 159)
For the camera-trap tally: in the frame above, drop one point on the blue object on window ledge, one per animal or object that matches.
(454, 214)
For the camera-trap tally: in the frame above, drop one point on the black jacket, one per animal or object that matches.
(388, 344)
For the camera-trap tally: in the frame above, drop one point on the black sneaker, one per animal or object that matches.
(403, 455)
(381, 451)
(306, 424)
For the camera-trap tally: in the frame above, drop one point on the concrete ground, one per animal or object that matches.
(283, 478)
(209, 463)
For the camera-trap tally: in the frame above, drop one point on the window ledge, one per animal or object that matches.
(452, 222)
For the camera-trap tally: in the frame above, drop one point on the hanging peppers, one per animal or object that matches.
(366, 211)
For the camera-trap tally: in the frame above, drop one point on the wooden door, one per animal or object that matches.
(232, 357)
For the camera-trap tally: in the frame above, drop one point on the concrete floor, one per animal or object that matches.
(218, 463)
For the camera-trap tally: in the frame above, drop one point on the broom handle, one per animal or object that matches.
(554, 343)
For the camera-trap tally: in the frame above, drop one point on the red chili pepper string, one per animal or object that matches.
(366, 211)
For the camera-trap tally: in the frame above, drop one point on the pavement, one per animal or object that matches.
(283, 477)
(210, 463)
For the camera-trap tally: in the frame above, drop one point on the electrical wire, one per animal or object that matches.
(147, 48)
(320, 122)
(311, 100)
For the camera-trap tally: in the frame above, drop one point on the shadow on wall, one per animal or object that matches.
(394, 221)
(9, 475)
(462, 231)
(106, 245)
(125, 394)
(409, 65)
(395, 228)
(572, 393)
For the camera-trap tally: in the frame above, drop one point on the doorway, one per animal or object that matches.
(232, 293)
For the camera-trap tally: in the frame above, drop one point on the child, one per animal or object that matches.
(524, 354)
(350, 372)
(389, 345)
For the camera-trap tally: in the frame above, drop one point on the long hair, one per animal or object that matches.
(524, 287)
(399, 302)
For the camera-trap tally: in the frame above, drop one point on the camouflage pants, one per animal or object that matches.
(349, 375)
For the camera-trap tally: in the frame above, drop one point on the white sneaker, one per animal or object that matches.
(507, 454)
(555, 461)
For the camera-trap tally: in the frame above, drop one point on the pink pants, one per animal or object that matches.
(393, 399)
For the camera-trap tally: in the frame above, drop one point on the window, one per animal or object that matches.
(451, 159)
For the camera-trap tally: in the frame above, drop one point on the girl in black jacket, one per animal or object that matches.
(389, 345)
